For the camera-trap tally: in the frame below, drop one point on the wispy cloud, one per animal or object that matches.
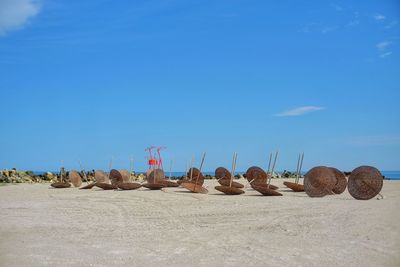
(379, 17)
(328, 29)
(391, 24)
(353, 23)
(299, 111)
(383, 45)
(383, 48)
(318, 28)
(337, 7)
(385, 54)
(14, 14)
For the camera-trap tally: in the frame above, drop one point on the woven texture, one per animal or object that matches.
(365, 182)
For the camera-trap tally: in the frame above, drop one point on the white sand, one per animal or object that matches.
(40, 226)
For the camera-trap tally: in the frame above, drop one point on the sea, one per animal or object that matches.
(389, 175)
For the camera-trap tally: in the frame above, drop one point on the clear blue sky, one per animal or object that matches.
(94, 79)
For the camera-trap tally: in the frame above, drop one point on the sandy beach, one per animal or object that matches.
(41, 226)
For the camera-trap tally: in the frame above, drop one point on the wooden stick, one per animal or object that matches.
(191, 168)
(301, 166)
(84, 172)
(269, 163)
(202, 161)
(297, 168)
(201, 167)
(130, 169)
(170, 168)
(233, 168)
(187, 169)
(109, 168)
(273, 168)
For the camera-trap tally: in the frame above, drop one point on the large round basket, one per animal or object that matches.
(126, 176)
(155, 176)
(226, 182)
(106, 186)
(229, 190)
(115, 177)
(222, 173)
(60, 185)
(196, 175)
(101, 176)
(153, 186)
(265, 191)
(341, 181)
(365, 182)
(294, 186)
(256, 175)
(89, 186)
(319, 181)
(75, 178)
(195, 188)
(129, 186)
(168, 183)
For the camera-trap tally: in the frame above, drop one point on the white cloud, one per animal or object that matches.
(299, 111)
(385, 54)
(382, 48)
(328, 29)
(383, 45)
(353, 23)
(391, 24)
(379, 17)
(337, 7)
(14, 14)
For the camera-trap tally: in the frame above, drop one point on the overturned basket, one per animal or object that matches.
(224, 178)
(106, 186)
(341, 181)
(365, 182)
(153, 179)
(101, 177)
(229, 190)
(60, 185)
(294, 186)
(265, 191)
(194, 188)
(129, 186)
(319, 182)
(75, 178)
(89, 186)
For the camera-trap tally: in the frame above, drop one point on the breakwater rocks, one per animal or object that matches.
(14, 176)
(18, 176)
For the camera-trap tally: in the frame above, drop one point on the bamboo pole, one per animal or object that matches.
(187, 169)
(170, 168)
(62, 171)
(130, 169)
(269, 165)
(273, 168)
(301, 166)
(84, 172)
(233, 168)
(201, 167)
(109, 168)
(191, 168)
(297, 168)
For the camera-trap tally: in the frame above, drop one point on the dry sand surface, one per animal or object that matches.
(41, 226)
